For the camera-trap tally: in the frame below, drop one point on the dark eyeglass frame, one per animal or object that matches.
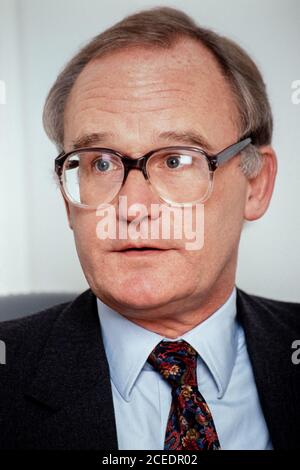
(214, 161)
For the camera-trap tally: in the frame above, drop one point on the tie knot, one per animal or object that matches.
(176, 361)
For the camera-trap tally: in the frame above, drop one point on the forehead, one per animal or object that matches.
(138, 90)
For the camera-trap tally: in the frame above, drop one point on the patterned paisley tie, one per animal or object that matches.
(190, 425)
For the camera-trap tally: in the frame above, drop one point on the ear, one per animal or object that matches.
(260, 187)
(68, 212)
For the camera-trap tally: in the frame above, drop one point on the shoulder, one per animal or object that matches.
(32, 326)
(23, 340)
(261, 309)
(270, 304)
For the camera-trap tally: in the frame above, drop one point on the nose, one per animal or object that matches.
(139, 198)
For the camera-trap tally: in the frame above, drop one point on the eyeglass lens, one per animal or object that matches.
(93, 178)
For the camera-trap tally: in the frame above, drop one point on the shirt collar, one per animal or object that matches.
(128, 345)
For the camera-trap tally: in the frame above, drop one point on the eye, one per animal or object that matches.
(177, 161)
(103, 165)
(173, 161)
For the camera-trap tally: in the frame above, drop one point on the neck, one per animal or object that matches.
(184, 318)
(181, 315)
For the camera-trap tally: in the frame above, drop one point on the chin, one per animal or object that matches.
(136, 294)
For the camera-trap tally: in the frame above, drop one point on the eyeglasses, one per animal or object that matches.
(180, 176)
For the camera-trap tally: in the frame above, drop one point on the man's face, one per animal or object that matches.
(135, 97)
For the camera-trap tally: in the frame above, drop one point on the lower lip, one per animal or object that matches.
(141, 252)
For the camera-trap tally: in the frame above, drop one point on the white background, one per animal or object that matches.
(37, 37)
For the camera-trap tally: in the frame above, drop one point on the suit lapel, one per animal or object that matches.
(73, 383)
(269, 338)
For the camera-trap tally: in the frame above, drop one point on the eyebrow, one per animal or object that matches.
(88, 140)
(188, 137)
(185, 137)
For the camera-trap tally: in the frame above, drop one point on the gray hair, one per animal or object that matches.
(162, 27)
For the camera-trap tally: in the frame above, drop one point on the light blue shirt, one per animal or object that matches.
(142, 398)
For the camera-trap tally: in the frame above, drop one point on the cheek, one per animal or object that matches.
(224, 211)
(84, 225)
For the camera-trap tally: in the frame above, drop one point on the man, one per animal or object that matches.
(163, 351)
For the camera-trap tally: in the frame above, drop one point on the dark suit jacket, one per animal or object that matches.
(55, 390)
